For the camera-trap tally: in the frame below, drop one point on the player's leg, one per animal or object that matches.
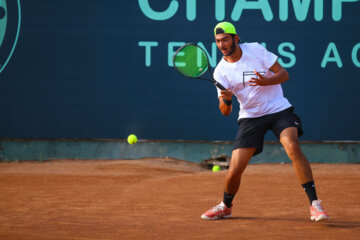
(239, 160)
(290, 142)
(289, 139)
(249, 142)
(287, 128)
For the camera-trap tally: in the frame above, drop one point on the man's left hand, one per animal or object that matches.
(260, 81)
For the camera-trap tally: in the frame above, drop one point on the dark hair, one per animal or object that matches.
(233, 37)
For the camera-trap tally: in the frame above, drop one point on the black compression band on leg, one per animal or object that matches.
(310, 190)
(228, 198)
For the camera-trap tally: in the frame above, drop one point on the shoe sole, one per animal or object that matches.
(214, 218)
(319, 218)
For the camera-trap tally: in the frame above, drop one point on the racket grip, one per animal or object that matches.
(221, 87)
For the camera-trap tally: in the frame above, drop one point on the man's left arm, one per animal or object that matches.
(280, 75)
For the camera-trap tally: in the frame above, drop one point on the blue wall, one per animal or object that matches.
(194, 151)
(79, 68)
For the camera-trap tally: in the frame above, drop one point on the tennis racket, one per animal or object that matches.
(191, 61)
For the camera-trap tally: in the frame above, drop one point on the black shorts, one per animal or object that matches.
(252, 131)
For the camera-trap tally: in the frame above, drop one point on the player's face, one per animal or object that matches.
(225, 43)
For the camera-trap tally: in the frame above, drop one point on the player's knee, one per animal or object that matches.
(292, 148)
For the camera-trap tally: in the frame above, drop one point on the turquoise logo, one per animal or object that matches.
(10, 18)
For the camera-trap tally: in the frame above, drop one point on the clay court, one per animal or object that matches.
(164, 198)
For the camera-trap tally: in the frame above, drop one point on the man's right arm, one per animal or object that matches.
(225, 102)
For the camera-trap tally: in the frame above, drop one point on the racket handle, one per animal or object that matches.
(221, 87)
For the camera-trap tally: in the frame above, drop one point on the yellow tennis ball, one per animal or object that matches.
(132, 139)
(216, 168)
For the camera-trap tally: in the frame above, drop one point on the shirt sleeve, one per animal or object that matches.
(269, 57)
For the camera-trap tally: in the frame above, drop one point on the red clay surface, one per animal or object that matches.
(163, 199)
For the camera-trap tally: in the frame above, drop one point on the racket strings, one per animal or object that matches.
(191, 61)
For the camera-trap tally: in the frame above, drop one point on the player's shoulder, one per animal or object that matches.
(253, 48)
(220, 65)
(252, 45)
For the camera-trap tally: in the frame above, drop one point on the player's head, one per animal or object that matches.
(226, 38)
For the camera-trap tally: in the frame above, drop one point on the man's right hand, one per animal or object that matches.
(227, 94)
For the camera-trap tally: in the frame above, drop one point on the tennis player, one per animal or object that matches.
(252, 74)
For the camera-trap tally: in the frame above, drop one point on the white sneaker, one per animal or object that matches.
(217, 212)
(316, 211)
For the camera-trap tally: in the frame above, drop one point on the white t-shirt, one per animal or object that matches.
(255, 101)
